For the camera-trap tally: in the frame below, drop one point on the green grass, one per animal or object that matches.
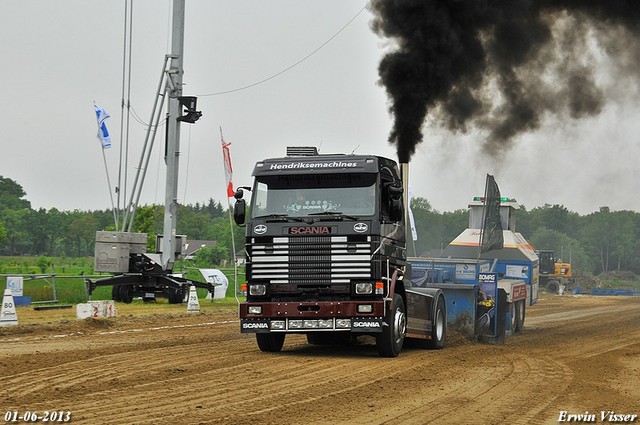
(70, 272)
(620, 284)
(68, 283)
(48, 265)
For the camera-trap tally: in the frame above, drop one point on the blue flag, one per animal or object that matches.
(103, 133)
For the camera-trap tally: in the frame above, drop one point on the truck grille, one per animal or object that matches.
(310, 262)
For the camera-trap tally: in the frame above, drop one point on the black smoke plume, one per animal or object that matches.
(499, 65)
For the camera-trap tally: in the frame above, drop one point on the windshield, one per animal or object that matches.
(302, 195)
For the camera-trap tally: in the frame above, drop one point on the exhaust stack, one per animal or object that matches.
(404, 174)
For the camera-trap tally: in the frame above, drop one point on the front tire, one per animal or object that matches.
(389, 342)
(270, 342)
(439, 327)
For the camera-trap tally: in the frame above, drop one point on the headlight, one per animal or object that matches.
(277, 325)
(364, 288)
(295, 324)
(325, 323)
(255, 309)
(311, 324)
(343, 323)
(365, 308)
(259, 289)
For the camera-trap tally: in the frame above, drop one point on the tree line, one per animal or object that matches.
(55, 233)
(600, 242)
(596, 243)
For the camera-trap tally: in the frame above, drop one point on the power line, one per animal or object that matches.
(291, 66)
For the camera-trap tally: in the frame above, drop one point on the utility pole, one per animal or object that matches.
(150, 274)
(173, 136)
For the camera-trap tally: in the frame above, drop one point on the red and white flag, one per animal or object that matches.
(228, 168)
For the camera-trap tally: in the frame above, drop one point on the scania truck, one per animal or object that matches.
(326, 254)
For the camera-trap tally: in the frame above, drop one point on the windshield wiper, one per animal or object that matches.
(278, 217)
(336, 215)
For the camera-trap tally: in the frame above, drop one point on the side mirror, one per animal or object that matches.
(239, 211)
(396, 211)
(395, 192)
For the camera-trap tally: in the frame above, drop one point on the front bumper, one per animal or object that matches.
(303, 317)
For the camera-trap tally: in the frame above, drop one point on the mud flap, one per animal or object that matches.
(499, 321)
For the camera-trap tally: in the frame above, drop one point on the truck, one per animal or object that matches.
(326, 255)
(554, 274)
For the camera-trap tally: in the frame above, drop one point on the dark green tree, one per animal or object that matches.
(211, 256)
(82, 233)
(13, 212)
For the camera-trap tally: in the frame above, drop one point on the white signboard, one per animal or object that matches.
(14, 283)
(217, 278)
(465, 271)
(517, 271)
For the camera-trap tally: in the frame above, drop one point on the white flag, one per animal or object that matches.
(412, 224)
(228, 168)
(103, 133)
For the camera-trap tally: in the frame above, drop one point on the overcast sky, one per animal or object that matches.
(59, 57)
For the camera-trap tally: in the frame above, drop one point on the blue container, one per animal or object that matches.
(21, 301)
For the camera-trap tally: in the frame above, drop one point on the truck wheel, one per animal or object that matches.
(394, 328)
(439, 328)
(513, 313)
(126, 293)
(174, 295)
(552, 286)
(271, 342)
(115, 293)
(521, 309)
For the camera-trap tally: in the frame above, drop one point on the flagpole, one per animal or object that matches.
(226, 159)
(106, 169)
(235, 261)
(105, 142)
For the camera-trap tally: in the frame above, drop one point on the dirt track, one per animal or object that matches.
(576, 354)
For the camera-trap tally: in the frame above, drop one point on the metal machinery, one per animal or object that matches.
(326, 254)
(326, 257)
(554, 274)
(138, 273)
(515, 267)
(480, 303)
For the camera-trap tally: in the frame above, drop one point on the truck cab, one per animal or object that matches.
(326, 250)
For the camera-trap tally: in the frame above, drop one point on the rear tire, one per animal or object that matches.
(271, 342)
(522, 307)
(115, 293)
(513, 316)
(439, 327)
(553, 286)
(389, 342)
(126, 293)
(174, 295)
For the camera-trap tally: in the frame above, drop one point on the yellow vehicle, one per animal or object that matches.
(553, 273)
